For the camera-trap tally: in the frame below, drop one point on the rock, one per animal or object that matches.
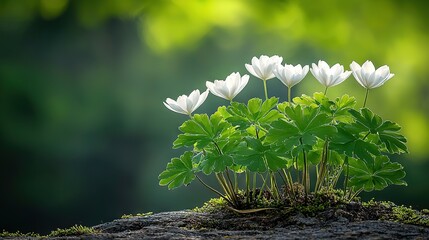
(264, 225)
(192, 225)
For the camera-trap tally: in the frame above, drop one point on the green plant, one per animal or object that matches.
(75, 230)
(126, 216)
(271, 140)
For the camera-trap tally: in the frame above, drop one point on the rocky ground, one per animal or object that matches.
(343, 221)
(192, 225)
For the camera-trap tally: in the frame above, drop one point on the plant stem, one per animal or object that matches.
(274, 189)
(366, 97)
(225, 187)
(289, 93)
(265, 89)
(283, 177)
(355, 194)
(287, 182)
(229, 180)
(337, 176)
(264, 183)
(247, 186)
(213, 190)
(346, 177)
(295, 164)
(326, 90)
(254, 187)
(229, 185)
(323, 166)
(305, 173)
(235, 182)
(291, 183)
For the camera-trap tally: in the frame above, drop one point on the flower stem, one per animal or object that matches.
(346, 177)
(265, 89)
(288, 94)
(326, 90)
(247, 186)
(323, 167)
(264, 182)
(305, 172)
(213, 190)
(366, 97)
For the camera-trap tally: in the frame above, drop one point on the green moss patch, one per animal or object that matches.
(75, 230)
(321, 207)
(126, 216)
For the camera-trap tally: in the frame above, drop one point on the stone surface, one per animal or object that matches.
(332, 224)
(274, 225)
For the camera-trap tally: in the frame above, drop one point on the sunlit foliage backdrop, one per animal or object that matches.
(84, 133)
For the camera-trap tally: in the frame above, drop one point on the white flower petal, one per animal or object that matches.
(185, 104)
(328, 76)
(172, 105)
(201, 99)
(263, 67)
(229, 87)
(368, 77)
(305, 71)
(250, 69)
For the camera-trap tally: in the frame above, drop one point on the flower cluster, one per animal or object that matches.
(309, 142)
(266, 68)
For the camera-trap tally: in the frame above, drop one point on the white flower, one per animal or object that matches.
(186, 105)
(329, 76)
(230, 87)
(368, 77)
(263, 66)
(290, 75)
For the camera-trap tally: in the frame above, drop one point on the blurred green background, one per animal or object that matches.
(84, 133)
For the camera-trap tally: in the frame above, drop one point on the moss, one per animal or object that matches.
(425, 211)
(310, 205)
(317, 204)
(212, 205)
(5, 233)
(410, 216)
(75, 230)
(401, 214)
(126, 216)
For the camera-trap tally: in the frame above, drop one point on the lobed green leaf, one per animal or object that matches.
(375, 174)
(178, 172)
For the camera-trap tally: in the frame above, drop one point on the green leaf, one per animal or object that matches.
(341, 108)
(348, 141)
(282, 130)
(305, 101)
(337, 109)
(314, 156)
(201, 130)
(257, 157)
(304, 123)
(335, 159)
(389, 135)
(215, 163)
(387, 131)
(376, 174)
(179, 172)
(282, 106)
(367, 119)
(254, 105)
(256, 112)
